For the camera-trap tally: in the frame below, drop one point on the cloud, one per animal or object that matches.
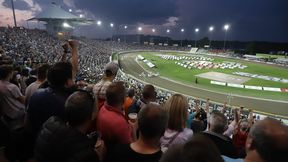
(171, 22)
(69, 3)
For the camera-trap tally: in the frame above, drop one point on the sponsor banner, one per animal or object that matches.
(218, 83)
(235, 85)
(146, 42)
(253, 87)
(272, 89)
(175, 45)
(160, 44)
(284, 89)
(151, 43)
(165, 44)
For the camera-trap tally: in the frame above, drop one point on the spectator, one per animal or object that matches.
(198, 149)
(111, 121)
(32, 77)
(217, 124)
(128, 101)
(59, 142)
(12, 101)
(266, 142)
(152, 121)
(148, 95)
(41, 77)
(100, 88)
(197, 124)
(176, 133)
(48, 102)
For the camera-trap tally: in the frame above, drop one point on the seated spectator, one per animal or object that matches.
(111, 121)
(41, 77)
(217, 124)
(152, 121)
(12, 101)
(99, 89)
(266, 142)
(198, 149)
(63, 141)
(176, 133)
(148, 95)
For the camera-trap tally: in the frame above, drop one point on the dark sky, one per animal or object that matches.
(262, 20)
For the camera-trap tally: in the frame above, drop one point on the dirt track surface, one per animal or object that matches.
(130, 66)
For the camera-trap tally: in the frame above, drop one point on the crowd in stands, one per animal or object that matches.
(50, 113)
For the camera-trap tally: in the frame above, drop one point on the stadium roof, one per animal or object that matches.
(55, 12)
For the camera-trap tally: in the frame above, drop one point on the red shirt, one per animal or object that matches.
(239, 139)
(113, 126)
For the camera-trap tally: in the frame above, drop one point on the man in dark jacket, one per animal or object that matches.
(61, 142)
(217, 124)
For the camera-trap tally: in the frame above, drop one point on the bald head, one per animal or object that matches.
(269, 138)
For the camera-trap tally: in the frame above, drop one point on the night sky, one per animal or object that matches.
(261, 20)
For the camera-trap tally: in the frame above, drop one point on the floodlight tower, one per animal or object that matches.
(125, 32)
(196, 33)
(211, 29)
(182, 31)
(139, 30)
(111, 25)
(226, 28)
(14, 16)
(167, 31)
(153, 31)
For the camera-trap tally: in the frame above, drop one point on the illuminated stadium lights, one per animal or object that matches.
(153, 30)
(182, 30)
(81, 16)
(211, 28)
(66, 25)
(168, 31)
(111, 25)
(139, 28)
(125, 27)
(226, 28)
(99, 22)
(196, 31)
(70, 10)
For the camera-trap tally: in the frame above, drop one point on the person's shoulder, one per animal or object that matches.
(228, 159)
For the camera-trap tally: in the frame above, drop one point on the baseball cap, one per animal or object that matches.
(112, 67)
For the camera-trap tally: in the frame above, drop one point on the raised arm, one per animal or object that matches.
(74, 57)
(65, 51)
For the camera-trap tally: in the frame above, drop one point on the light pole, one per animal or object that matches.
(14, 16)
(182, 31)
(226, 28)
(125, 28)
(196, 31)
(111, 25)
(211, 29)
(139, 30)
(153, 31)
(167, 31)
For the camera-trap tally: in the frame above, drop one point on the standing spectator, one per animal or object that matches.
(111, 121)
(59, 142)
(176, 133)
(152, 121)
(23, 77)
(266, 142)
(99, 90)
(12, 101)
(32, 77)
(217, 124)
(198, 149)
(197, 124)
(41, 77)
(128, 101)
(148, 95)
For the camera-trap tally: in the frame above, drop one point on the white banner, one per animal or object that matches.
(253, 87)
(272, 89)
(218, 83)
(235, 85)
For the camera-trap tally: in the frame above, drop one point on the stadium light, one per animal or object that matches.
(70, 10)
(196, 31)
(168, 30)
(81, 16)
(153, 30)
(182, 30)
(66, 25)
(211, 29)
(226, 28)
(111, 25)
(99, 23)
(139, 28)
(125, 27)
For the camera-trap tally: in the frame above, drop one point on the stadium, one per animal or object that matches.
(96, 82)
